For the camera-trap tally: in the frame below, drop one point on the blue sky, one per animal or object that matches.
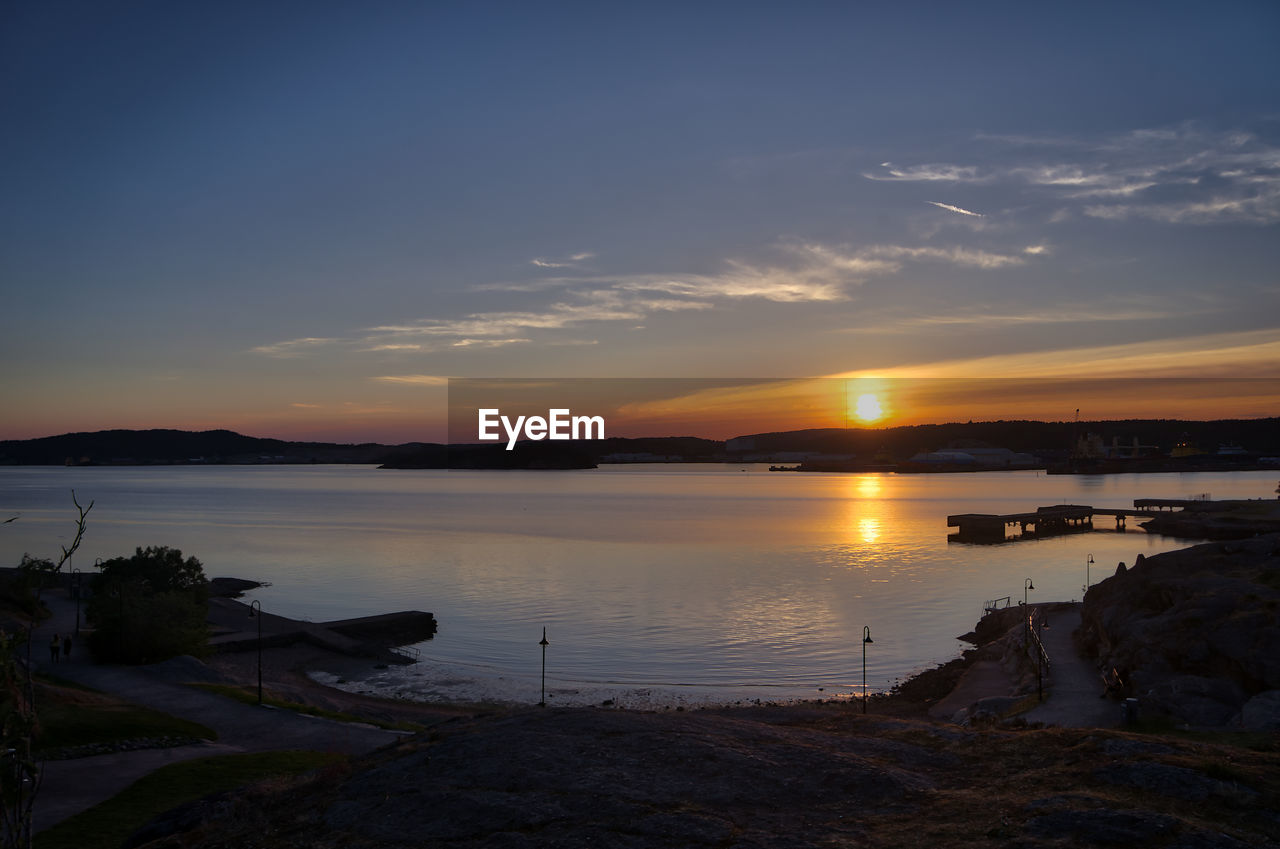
(296, 219)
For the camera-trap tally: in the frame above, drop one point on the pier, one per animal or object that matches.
(1048, 521)
(380, 637)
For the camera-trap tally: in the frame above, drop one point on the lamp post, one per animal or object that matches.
(252, 605)
(543, 642)
(1026, 632)
(866, 640)
(1087, 564)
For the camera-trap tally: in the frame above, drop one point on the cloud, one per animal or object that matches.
(497, 328)
(567, 262)
(294, 347)
(949, 208)
(743, 280)
(413, 379)
(934, 172)
(487, 343)
(1179, 175)
(1053, 315)
(813, 273)
(1252, 354)
(800, 272)
(964, 257)
(1262, 207)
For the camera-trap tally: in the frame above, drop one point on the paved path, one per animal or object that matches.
(983, 678)
(74, 785)
(1075, 691)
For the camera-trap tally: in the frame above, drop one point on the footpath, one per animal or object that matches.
(71, 786)
(1075, 690)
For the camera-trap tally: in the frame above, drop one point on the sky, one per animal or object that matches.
(299, 220)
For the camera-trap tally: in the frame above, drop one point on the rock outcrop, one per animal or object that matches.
(1195, 634)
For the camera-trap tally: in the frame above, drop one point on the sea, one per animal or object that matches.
(656, 585)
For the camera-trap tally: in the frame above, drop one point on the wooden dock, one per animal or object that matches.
(1044, 521)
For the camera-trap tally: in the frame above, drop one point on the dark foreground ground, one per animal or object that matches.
(815, 776)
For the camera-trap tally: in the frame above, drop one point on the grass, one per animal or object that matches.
(77, 716)
(108, 824)
(1163, 726)
(249, 695)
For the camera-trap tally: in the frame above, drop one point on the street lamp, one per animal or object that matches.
(543, 642)
(1026, 632)
(252, 605)
(1088, 563)
(866, 641)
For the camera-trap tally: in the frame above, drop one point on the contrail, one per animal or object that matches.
(949, 208)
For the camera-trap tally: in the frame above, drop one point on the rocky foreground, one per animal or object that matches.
(766, 777)
(1194, 634)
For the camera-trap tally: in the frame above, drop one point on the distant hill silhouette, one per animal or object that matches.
(180, 447)
(1048, 440)
(1044, 439)
(145, 447)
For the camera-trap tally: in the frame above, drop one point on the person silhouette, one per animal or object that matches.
(66, 645)
(54, 647)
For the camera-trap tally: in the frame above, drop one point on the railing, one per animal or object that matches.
(1036, 648)
(995, 604)
(409, 653)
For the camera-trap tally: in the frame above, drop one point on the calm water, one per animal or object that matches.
(656, 584)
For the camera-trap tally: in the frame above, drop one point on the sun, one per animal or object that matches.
(868, 408)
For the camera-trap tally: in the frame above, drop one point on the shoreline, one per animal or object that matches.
(302, 672)
(297, 672)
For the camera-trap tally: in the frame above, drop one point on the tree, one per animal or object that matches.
(19, 775)
(149, 607)
(160, 568)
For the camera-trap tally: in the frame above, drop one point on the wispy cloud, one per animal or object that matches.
(1255, 354)
(964, 257)
(1179, 175)
(487, 343)
(932, 172)
(566, 262)
(412, 379)
(494, 329)
(949, 208)
(1262, 207)
(801, 272)
(294, 347)
(993, 320)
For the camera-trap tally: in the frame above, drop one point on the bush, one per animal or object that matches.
(149, 607)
